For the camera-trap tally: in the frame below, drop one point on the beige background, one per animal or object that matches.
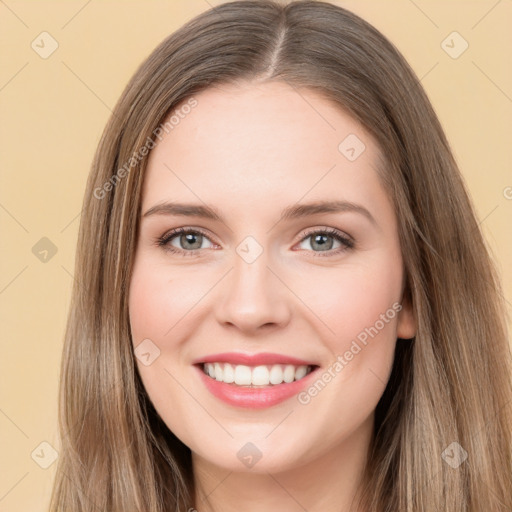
(52, 114)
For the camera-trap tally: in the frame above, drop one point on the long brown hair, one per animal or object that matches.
(451, 384)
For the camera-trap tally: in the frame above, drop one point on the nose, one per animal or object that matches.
(253, 297)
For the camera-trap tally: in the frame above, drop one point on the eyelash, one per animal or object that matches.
(347, 242)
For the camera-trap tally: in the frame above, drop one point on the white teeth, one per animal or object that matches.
(276, 375)
(260, 376)
(229, 374)
(243, 375)
(301, 372)
(218, 371)
(289, 373)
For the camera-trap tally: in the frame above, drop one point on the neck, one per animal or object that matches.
(328, 483)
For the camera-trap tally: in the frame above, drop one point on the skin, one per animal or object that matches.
(250, 151)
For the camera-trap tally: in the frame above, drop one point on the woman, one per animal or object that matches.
(333, 338)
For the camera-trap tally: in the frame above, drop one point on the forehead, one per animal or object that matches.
(255, 144)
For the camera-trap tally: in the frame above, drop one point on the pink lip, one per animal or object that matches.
(254, 397)
(252, 359)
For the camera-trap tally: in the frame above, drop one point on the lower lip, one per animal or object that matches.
(254, 398)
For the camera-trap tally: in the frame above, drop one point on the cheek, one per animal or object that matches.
(357, 308)
(158, 301)
(353, 298)
(360, 307)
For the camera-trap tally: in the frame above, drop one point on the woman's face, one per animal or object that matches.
(262, 285)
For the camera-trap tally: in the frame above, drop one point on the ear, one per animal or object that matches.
(406, 325)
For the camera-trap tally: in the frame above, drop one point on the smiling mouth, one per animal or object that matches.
(256, 376)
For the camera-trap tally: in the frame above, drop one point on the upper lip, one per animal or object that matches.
(262, 358)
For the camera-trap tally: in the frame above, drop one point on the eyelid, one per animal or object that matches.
(331, 231)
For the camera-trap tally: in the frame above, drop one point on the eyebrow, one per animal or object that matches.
(292, 212)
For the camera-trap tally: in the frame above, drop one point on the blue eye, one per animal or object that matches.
(322, 240)
(191, 241)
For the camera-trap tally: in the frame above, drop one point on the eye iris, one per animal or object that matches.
(319, 240)
(189, 237)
